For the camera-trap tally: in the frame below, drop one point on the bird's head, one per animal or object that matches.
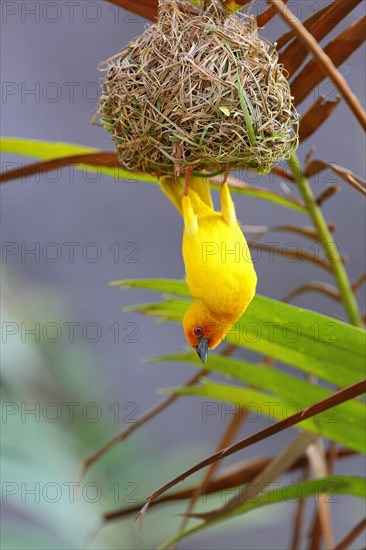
(202, 329)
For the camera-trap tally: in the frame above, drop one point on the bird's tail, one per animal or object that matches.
(173, 188)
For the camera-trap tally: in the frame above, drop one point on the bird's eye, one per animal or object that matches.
(197, 331)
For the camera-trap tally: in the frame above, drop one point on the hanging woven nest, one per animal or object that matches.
(198, 91)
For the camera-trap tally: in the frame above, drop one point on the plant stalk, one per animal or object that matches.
(327, 241)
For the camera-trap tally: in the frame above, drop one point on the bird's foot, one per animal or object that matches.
(226, 174)
(189, 171)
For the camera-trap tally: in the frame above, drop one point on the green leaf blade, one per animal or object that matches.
(332, 485)
(339, 425)
(312, 342)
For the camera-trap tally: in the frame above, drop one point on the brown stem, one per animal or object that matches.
(315, 286)
(293, 255)
(337, 398)
(238, 474)
(352, 535)
(224, 442)
(299, 514)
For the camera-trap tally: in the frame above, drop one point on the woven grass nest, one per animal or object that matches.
(198, 91)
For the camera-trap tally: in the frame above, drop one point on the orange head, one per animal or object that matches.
(203, 329)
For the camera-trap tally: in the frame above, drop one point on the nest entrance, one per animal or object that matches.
(198, 91)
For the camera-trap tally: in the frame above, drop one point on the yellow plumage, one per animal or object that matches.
(219, 269)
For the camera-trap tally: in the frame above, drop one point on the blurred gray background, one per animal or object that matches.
(54, 48)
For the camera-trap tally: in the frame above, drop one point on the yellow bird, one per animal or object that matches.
(219, 270)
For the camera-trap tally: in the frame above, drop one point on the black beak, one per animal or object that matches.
(202, 349)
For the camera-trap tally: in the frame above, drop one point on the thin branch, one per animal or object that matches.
(238, 474)
(332, 456)
(227, 438)
(317, 166)
(282, 173)
(329, 246)
(315, 533)
(286, 189)
(293, 255)
(359, 282)
(315, 286)
(258, 191)
(307, 232)
(327, 18)
(352, 535)
(338, 50)
(299, 514)
(109, 159)
(143, 8)
(104, 159)
(318, 466)
(333, 400)
(279, 465)
(317, 114)
(266, 16)
(322, 22)
(327, 194)
(323, 61)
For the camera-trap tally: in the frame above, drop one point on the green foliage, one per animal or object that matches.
(314, 343)
(46, 151)
(343, 424)
(337, 355)
(333, 485)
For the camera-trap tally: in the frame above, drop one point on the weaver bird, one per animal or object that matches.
(219, 270)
